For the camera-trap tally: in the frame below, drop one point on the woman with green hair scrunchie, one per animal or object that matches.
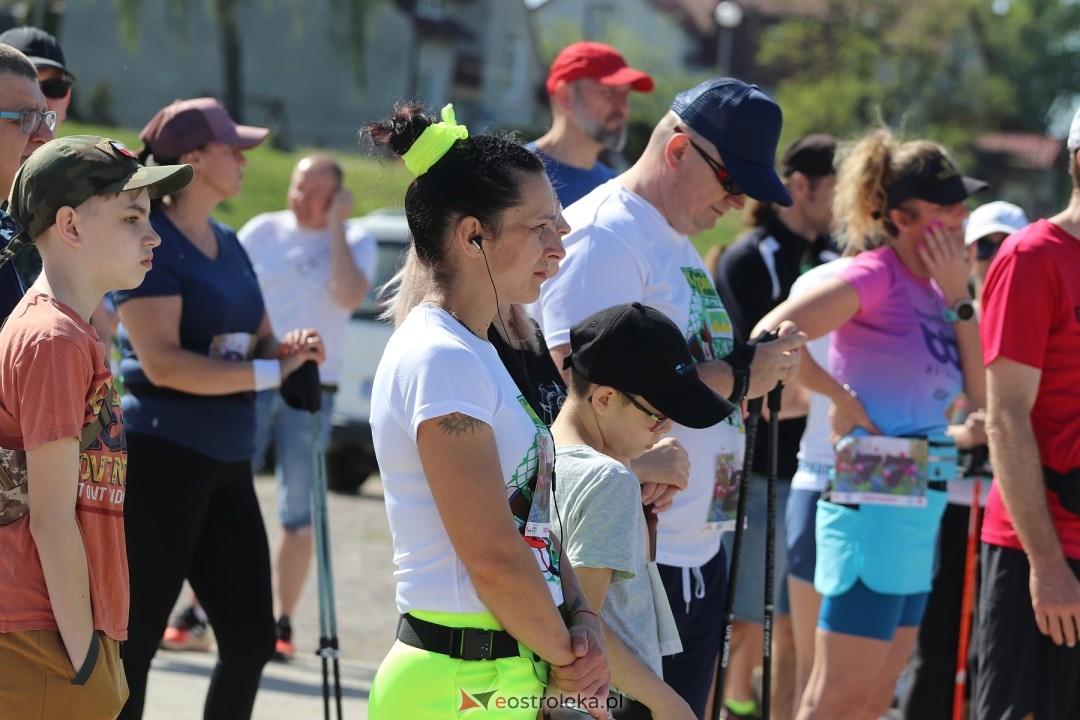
(492, 622)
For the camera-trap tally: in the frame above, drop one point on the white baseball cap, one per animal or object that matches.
(1074, 133)
(997, 216)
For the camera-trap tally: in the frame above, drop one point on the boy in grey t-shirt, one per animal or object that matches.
(631, 376)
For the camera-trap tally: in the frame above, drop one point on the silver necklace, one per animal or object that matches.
(460, 321)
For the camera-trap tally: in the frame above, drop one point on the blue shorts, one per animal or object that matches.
(294, 446)
(863, 612)
(750, 583)
(801, 543)
(891, 549)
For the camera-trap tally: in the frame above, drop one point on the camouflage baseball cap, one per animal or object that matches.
(70, 170)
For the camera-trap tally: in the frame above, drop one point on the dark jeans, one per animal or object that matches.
(928, 694)
(190, 516)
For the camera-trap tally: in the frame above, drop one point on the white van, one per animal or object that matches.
(350, 454)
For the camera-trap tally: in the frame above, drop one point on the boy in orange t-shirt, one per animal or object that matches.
(84, 201)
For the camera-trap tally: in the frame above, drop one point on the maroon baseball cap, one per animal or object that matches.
(190, 124)
(598, 62)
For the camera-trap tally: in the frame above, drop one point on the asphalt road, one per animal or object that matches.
(366, 620)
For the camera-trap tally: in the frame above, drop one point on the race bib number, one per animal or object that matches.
(725, 497)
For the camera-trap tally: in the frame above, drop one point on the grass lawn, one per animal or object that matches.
(374, 183)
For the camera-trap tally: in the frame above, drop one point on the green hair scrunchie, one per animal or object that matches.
(434, 142)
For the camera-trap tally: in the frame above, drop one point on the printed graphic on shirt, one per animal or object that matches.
(710, 332)
(529, 494)
(103, 463)
(725, 498)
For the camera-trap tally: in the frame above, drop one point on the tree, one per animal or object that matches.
(351, 33)
(945, 70)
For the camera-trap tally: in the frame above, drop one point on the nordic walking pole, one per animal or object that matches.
(967, 603)
(302, 390)
(328, 640)
(753, 409)
(770, 549)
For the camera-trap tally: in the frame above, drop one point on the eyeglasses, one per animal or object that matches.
(722, 174)
(658, 420)
(30, 120)
(55, 88)
(985, 248)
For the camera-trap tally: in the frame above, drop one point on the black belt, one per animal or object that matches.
(328, 388)
(458, 643)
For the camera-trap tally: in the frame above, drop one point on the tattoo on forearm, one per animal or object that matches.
(459, 424)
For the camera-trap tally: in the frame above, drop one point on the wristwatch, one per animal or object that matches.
(963, 311)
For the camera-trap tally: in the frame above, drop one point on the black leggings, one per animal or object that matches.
(189, 516)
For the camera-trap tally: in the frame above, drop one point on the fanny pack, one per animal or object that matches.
(1067, 487)
(458, 643)
(14, 495)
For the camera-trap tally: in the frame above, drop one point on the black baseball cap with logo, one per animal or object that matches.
(637, 349)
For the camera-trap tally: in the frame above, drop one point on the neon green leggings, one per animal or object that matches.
(421, 685)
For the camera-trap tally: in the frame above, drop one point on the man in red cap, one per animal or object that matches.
(589, 85)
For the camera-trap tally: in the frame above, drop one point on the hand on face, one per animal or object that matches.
(943, 255)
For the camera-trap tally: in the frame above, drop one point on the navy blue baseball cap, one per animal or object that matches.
(744, 124)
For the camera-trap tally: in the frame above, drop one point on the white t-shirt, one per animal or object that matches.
(292, 265)
(815, 450)
(623, 250)
(433, 366)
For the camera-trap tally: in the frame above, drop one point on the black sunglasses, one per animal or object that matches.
(55, 88)
(722, 174)
(658, 420)
(985, 248)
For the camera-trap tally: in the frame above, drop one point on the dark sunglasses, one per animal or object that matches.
(55, 88)
(722, 174)
(985, 248)
(658, 420)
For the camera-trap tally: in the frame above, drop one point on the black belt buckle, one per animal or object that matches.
(472, 644)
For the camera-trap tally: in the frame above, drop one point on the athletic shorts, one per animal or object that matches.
(424, 685)
(750, 582)
(799, 518)
(39, 681)
(1021, 671)
(890, 549)
(863, 612)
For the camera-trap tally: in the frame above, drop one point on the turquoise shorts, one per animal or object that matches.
(891, 549)
(423, 685)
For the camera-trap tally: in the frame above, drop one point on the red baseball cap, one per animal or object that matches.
(598, 62)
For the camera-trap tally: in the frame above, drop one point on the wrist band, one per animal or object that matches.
(739, 359)
(267, 373)
(583, 610)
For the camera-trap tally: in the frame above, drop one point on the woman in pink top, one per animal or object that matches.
(904, 344)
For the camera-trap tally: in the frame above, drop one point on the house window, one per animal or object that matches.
(468, 71)
(513, 68)
(599, 18)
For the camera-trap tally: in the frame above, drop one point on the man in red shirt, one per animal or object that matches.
(1029, 613)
